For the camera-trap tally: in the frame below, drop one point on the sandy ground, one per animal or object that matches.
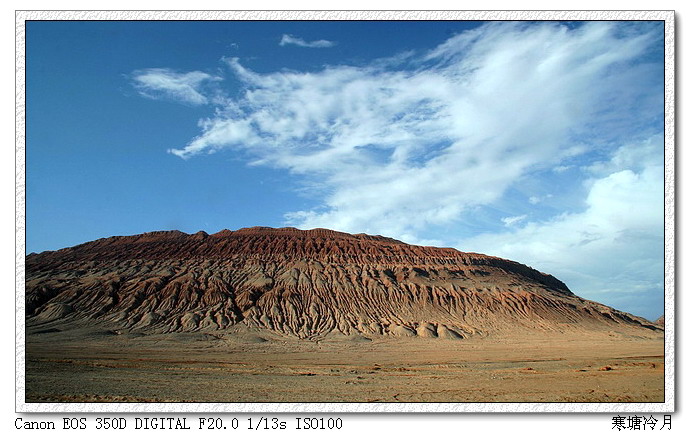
(250, 366)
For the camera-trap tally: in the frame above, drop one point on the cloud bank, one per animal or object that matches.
(613, 249)
(537, 142)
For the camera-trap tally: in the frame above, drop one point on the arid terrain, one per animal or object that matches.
(245, 367)
(274, 315)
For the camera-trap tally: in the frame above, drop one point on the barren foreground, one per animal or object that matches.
(259, 366)
(269, 315)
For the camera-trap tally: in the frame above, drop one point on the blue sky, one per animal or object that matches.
(540, 142)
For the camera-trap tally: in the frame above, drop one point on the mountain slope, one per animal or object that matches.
(301, 283)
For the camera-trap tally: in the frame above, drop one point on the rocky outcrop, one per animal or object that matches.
(661, 321)
(301, 283)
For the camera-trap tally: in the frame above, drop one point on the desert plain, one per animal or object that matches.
(254, 366)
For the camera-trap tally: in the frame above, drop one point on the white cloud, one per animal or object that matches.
(292, 40)
(411, 148)
(561, 168)
(538, 199)
(394, 151)
(160, 83)
(613, 250)
(514, 220)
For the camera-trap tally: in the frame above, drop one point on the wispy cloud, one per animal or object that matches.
(538, 199)
(514, 220)
(411, 149)
(382, 145)
(292, 40)
(160, 83)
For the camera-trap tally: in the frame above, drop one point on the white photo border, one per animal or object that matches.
(669, 212)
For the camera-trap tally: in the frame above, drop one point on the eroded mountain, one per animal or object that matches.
(301, 283)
